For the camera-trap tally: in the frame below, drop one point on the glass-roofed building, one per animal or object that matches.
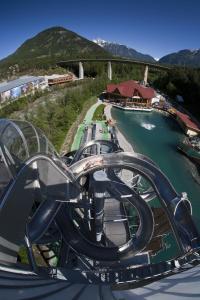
(10, 90)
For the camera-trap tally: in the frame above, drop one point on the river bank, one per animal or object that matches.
(124, 144)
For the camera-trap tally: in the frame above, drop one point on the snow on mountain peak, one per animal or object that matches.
(99, 42)
(194, 51)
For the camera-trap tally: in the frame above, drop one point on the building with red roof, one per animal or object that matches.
(130, 93)
(189, 126)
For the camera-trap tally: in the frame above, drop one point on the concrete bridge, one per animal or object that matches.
(109, 61)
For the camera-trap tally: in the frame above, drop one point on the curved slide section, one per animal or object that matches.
(111, 147)
(57, 186)
(73, 237)
(186, 235)
(15, 225)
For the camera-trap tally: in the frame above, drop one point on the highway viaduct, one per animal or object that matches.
(109, 62)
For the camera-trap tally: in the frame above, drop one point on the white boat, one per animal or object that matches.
(133, 108)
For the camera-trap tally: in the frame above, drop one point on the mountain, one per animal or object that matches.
(50, 46)
(189, 58)
(123, 51)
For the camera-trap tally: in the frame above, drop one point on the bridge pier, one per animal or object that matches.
(81, 70)
(109, 70)
(109, 61)
(146, 74)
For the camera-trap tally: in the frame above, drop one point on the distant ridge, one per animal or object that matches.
(188, 58)
(57, 43)
(50, 46)
(123, 51)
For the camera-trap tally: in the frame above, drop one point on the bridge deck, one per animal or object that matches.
(114, 60)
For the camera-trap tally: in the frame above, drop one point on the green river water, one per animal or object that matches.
(156, 135)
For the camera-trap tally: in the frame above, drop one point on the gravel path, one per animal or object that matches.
(124, 144)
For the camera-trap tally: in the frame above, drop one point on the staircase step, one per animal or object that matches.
(11, 273)
(106, 293)
(91, 292)
(13, 283)
(44, 292)
(72, 292)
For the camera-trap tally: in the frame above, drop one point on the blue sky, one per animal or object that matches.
(153, 27)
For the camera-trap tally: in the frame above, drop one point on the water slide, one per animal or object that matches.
(57, 190)
(33, 173)
(175, 205)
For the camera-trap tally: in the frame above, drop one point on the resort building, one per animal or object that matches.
(189, 126)
(11, 90)
(131, 95)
